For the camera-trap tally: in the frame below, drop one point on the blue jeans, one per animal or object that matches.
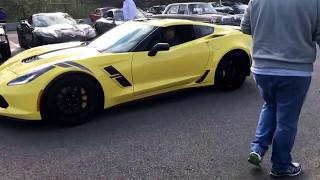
(283, 99)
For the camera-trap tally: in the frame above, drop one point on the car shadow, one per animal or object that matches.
(111, 116)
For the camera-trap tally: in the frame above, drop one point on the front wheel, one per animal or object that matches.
(70, 100)
(231, 72)
(21, 39)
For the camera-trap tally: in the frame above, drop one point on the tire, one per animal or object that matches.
(231, 72)
(22, 41)
(71, 100)
(36, 41)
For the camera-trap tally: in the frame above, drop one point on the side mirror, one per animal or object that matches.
(158, 47)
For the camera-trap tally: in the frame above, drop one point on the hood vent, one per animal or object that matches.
(30, 59)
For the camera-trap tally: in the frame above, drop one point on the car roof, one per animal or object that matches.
(108, 7)
(115, 9)
(55, 13)
(170, 22)
(188, 3)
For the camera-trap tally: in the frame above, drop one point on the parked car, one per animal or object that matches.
(156, 9)
(197, 11)
(114, 17)
(222, 9)
(50, 28)
(5, 51)
(98, 13)
(238, 8)
(68, 83)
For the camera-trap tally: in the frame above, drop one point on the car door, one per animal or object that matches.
(183, 63)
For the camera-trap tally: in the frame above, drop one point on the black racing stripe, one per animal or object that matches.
(78, 66)
(116, 75)
(111, 70)
(203, 76)
(123, 81)
(63, 65)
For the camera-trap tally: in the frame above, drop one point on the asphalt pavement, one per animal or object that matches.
(199, 133)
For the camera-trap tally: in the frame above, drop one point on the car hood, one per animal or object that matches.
(47, 55)
(62, 30)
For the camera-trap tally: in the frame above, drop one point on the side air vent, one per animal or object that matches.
(30, 59)
(3, 102)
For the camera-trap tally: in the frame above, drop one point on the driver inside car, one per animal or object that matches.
(170, 37)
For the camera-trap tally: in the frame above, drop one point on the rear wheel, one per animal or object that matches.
(231, 72)
(71, 101)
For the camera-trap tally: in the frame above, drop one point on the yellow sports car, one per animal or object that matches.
(67, 83)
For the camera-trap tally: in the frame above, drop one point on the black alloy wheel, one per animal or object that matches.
(22, 40)
(71, 100)
(231, 72)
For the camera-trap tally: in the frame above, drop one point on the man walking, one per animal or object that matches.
(284, 34)
(129, 10)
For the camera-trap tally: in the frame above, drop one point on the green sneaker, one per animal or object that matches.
(255, 159)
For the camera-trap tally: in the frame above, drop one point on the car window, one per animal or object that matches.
(173, 9)
(123, 38)
(108, 14)
(183, 9)
(181, 34)
(118, 15)
(201, 9)
(201, 31)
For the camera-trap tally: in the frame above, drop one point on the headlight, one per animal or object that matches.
(29, 77)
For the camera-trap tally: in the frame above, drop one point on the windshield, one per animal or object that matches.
(51, 19)
(118, 16)
(122, 38)
(202, 9)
